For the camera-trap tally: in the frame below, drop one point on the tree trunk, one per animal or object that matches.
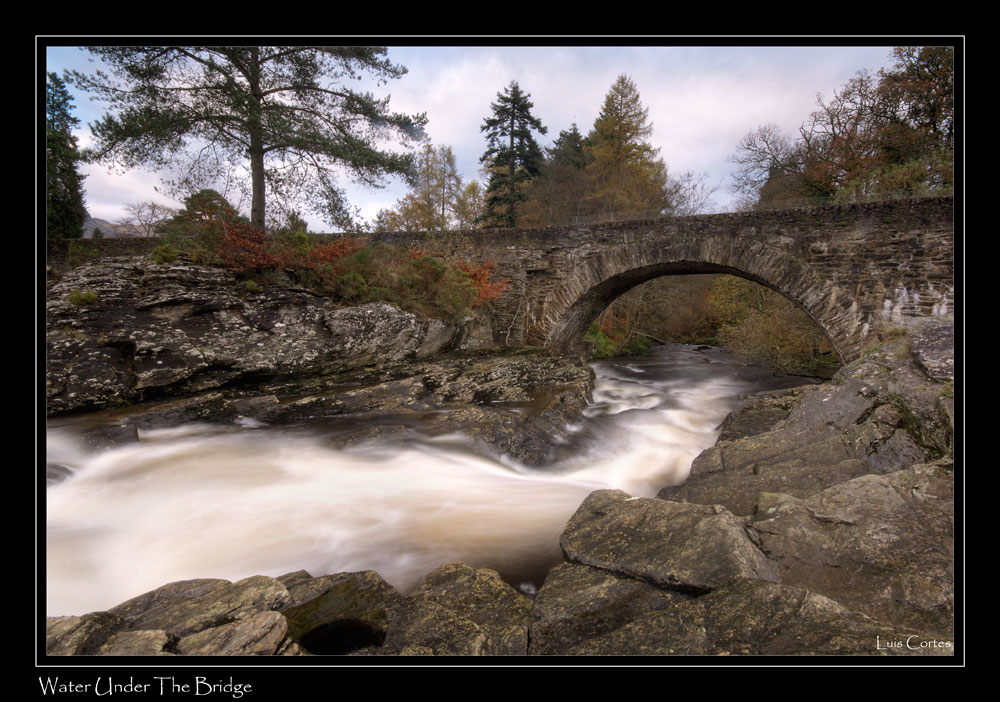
(257, 177)
(255, 125)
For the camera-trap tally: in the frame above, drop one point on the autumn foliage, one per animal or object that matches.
(481, 275)
(356, 272)
(243, 247)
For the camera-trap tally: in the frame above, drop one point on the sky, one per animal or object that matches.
(701, 99)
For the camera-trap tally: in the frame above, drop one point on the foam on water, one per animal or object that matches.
(201, 501)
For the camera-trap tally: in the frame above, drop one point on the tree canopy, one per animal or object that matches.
(438, 200)
(285, 113)
(629, 177)
(612, 173)
(876, 137)
(65, 211)
(512, 156)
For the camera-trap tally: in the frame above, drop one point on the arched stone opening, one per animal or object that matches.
(597, 283)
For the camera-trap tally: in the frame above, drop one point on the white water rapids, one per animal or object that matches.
(230, 502)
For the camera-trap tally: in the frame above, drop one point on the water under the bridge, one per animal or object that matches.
(234, 501)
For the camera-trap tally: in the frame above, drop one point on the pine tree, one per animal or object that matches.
(65, 211)
(285, 112)
(512, 157)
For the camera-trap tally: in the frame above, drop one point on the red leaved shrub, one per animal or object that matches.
(480, 274)
(243, 247)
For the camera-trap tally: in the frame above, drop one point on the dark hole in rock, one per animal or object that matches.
(340, 637)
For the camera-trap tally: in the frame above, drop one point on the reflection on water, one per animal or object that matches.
(203, 501)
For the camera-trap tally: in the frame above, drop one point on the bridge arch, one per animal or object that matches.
(599, 279)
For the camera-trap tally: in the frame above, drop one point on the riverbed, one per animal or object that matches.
(230, 501)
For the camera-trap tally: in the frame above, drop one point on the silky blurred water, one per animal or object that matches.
(201, 501)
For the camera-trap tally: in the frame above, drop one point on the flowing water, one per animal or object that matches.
(201, 501)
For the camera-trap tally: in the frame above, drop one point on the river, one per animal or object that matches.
(201, 501)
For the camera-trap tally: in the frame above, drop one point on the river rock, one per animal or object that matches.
(753, 618)
(80, 636)
(417, 627)
(339, 613)
(878, 544)
(878, 415)
(361, 614)
(190, 613)
(685, 547)
(578, 603)
(149, 329)
(481, 596)
(259, 635)
(167, 596)
(520, 404)
(140, 643)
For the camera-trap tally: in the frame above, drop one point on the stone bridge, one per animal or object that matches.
(850, 267)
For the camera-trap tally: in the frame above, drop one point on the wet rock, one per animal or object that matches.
(578, 603)
(519, 404)
(340, 613)
(139, 643)
(182, 612)
(878, 544)
(361, 614)
(754, 617)
(152, 330)
(259, 635)
(419, 627)
(759, 415)
(879, 415)
(110, 437)
(482, 597)
(80, 636)
(167, 596)
(685, 547)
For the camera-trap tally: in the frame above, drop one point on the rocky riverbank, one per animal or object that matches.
(158, 345)
(821, 523)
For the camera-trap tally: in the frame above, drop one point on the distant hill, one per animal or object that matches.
(108, 230)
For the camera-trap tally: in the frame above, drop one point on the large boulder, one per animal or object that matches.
(482, 597)
(882, 545)
(191, 617)
(878, 415)
(759, 618)
(685, 547)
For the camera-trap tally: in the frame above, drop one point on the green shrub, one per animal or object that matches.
(83, 297)
(164, 253)
(602, 346)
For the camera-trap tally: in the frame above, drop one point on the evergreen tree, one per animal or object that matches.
(558, 196)
(629, 178)
(284, 111)
(65, 212)
(512, 157)
(569, 149)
